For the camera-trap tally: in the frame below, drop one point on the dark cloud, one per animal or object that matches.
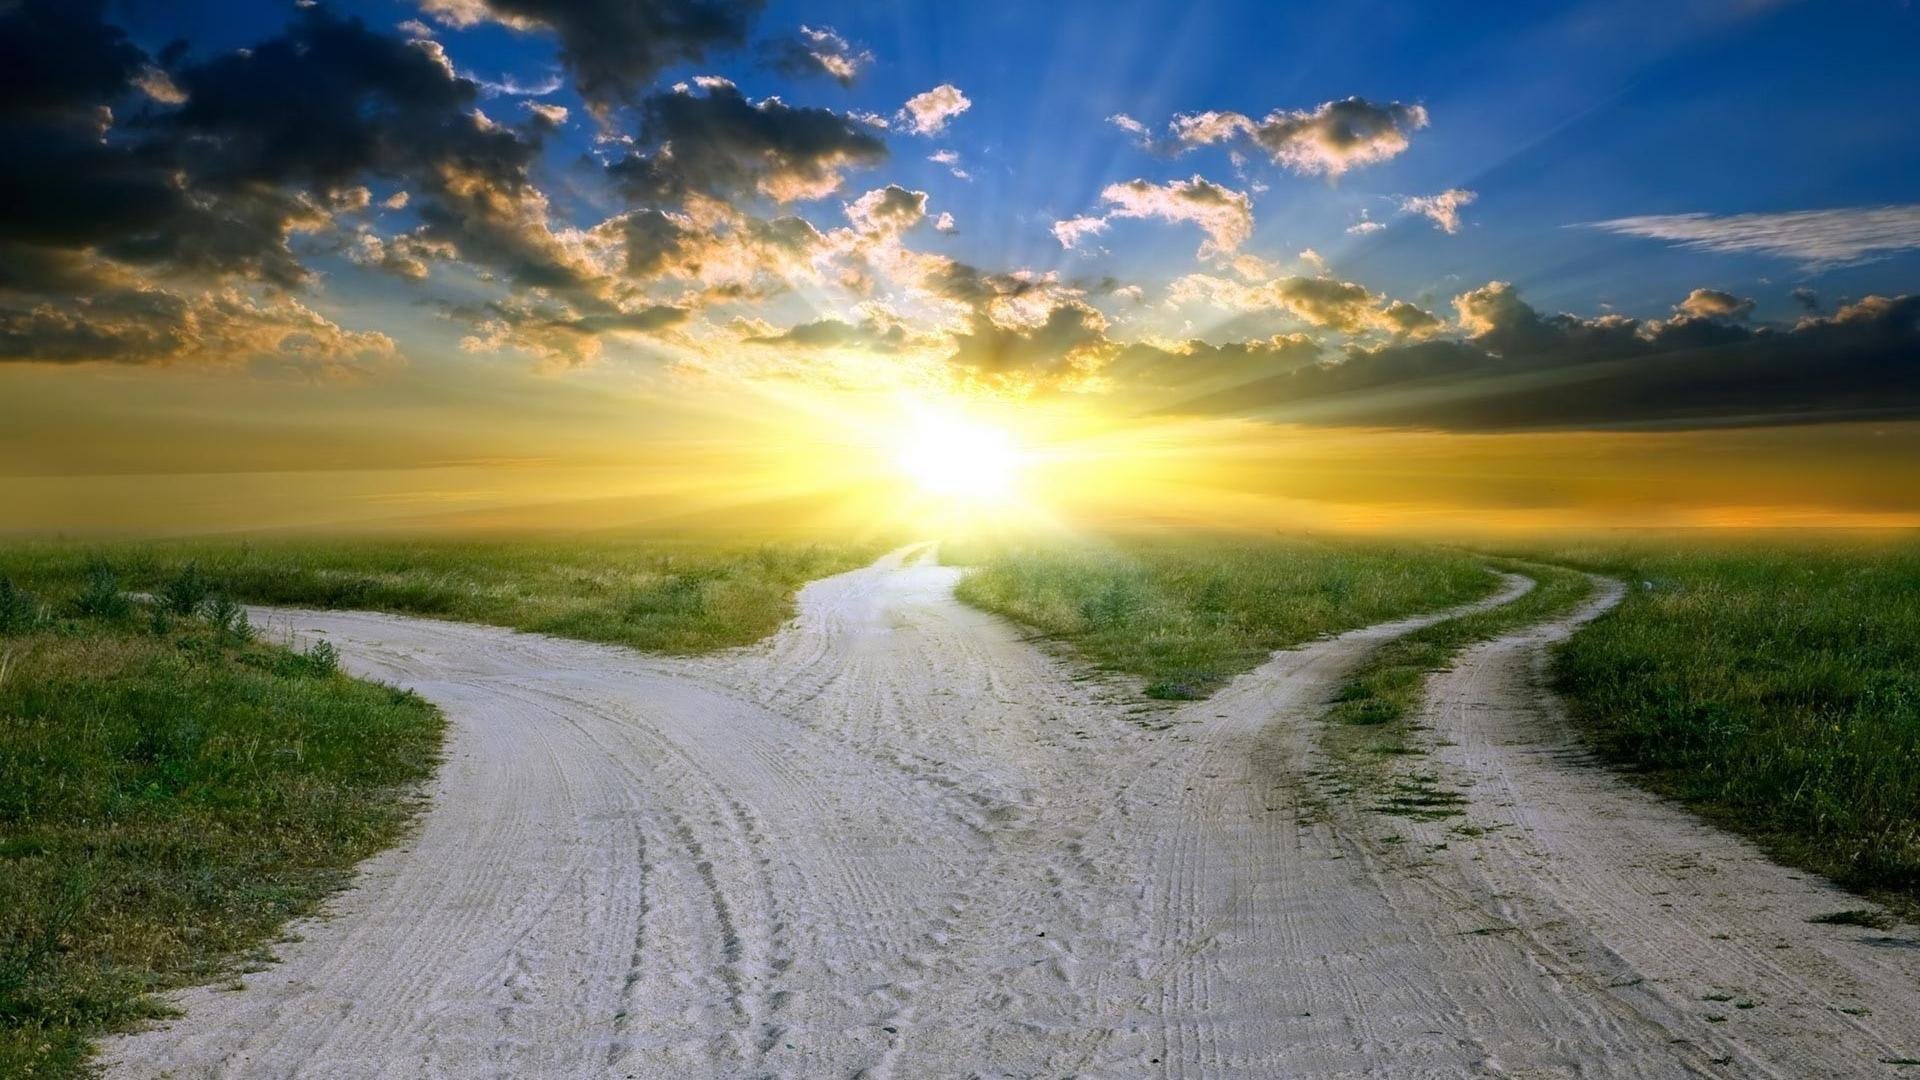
(867, 335)
(1524, 370)
(615, 48)
(1071, 336)
(718, 143)
(1197, 366)
(816, 52)
(175, 190)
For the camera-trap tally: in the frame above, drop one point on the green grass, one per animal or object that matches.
(1388, 683)
(1775, 688)
(674, 596)
(1188, 613)
(171, 791)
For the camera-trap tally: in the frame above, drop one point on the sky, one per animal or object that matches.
(579, 264)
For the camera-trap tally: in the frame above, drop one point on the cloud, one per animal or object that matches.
(1325, 303)
(1194, 366)
(1442, 209)
(1224, 215)
(928, 113)
(868, 335)
(719, 143)
(1365, 226)
(1812, 237)
(1714, 304)
(944, 223)
(1325, 141)
(226, 327)
(1071, 231)
(1519, 369)
(817, 51)
(614, 48)
(887, 211)
(552, 116)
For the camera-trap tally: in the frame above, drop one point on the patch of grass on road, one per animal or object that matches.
(1774, 687)
(674, 596)
(171, 792)
(1189, 613)
(1387, 684)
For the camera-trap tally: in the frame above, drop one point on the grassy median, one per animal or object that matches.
(661, 595)
(1187, 613)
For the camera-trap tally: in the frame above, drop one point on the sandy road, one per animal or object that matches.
(899, 840)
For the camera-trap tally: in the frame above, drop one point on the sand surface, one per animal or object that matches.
(901, 840)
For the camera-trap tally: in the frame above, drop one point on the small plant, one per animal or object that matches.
(323, 658)
(186, 592)
(1864, 917)
(103, 598)
(229, 620)
(19, 612)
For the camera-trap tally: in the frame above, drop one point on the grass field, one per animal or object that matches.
(171, 791)
(1774, 687)
(1188, 613)
(675, 596)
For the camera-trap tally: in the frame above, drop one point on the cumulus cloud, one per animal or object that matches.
(1327, 140)
(1070, 231)
(614, 48)
(927, 113)
(1811, 237)
(817, 51)
(1325, 303)
(1714, 304)
(717, 142)
(1442, 209)
(944, 223)
(1224, 215)
(887, 211)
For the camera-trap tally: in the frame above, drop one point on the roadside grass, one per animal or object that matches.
(1773, 687)
(661, 595)
(1187, 613)
(1369, 735)
(1388, 683)
(171, 792)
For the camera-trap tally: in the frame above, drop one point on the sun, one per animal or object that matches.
(951, 456)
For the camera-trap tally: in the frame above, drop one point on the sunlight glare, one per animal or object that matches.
(953, 457)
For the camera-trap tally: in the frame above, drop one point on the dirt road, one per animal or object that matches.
(899, 840)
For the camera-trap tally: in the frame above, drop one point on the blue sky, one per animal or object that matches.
(1554, 114)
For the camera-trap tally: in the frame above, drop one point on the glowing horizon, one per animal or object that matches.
(414, 264)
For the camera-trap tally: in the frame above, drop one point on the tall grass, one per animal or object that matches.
(1774, 688)
(171, 791)
(661, 595)
(1188, 613)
